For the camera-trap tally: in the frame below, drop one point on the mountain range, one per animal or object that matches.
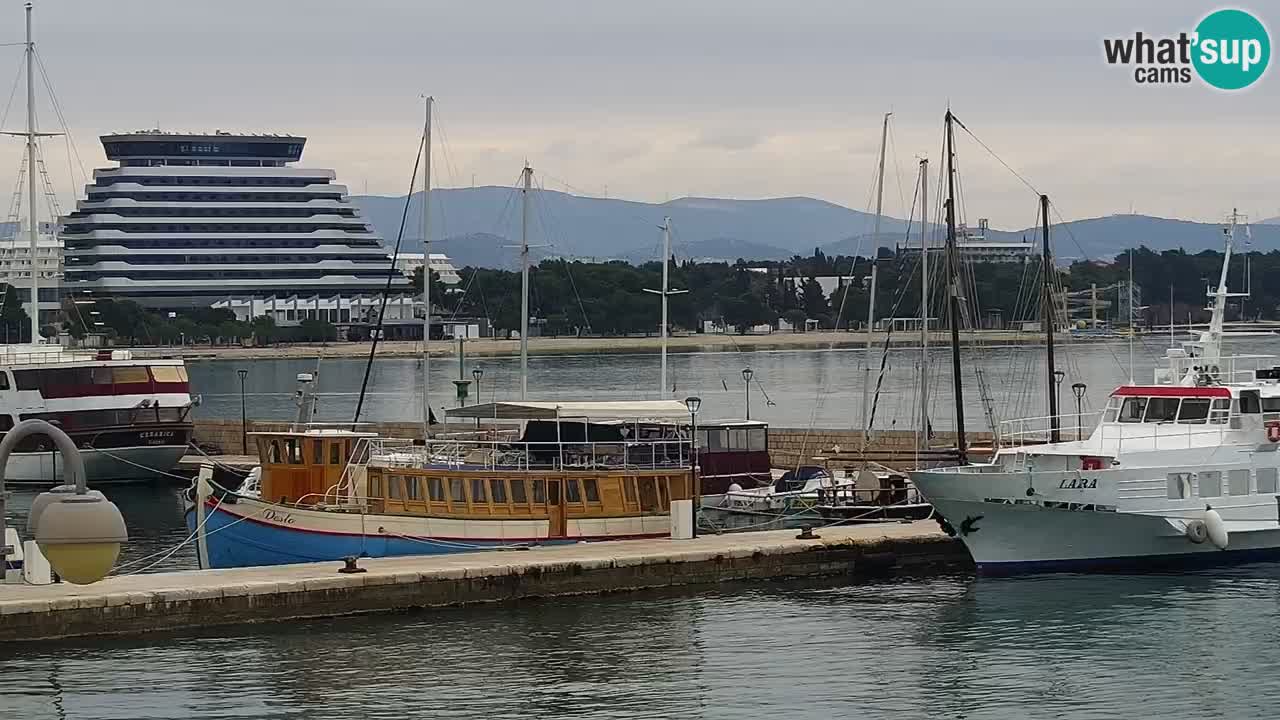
(478, 226)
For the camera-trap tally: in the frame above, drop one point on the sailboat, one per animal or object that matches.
(1181, 471)
(575, 471)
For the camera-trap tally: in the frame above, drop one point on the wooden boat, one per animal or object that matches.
(327, 494)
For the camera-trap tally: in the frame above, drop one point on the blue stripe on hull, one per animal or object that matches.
(1134, 564)
(248, 543)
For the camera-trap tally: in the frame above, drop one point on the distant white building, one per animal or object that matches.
(16, 267)
(973, 246)
(408, 263)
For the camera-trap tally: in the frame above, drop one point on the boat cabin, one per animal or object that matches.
(306, 467)
(733, 452)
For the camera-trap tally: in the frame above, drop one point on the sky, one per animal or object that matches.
(662, 99)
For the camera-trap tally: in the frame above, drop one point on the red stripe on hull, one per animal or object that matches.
(1170, 391)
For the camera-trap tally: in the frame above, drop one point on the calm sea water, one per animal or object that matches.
(1196, 645)
(791, 388)
(1064, 646)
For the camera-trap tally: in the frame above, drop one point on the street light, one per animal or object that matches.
(1078, 389)
(477, 373)
(244, 417)
(1055, 421)
(78, 530)
(746, 378)
(694, 402)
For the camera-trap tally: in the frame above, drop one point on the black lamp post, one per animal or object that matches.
(746, 378)
(1056, 421)
(1079, 389)
(244, 416)
(694, 402)
(477, 373)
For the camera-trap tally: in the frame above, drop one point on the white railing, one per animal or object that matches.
(1115, 438)
(498, 454)
(1228, 370)
(1020, 432)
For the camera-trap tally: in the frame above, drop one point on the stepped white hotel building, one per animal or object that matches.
(186, 221)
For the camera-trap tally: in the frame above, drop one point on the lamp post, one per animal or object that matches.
(746, 378)
(244, 416)
(78, 530)
(693, 403)
(477, 373)
(1079, 389)
(1054, 422)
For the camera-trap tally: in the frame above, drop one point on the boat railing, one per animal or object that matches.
(499, 454)
(1020, 432)
(1227, 370)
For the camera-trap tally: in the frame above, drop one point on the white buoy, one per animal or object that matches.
(1216, 527)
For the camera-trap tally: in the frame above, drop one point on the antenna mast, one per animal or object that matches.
(953, 292)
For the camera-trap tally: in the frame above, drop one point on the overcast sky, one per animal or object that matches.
(662, 99)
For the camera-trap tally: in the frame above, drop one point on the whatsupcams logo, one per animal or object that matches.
(1228, 50)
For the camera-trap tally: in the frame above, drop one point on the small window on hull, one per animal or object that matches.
(1210, 483)
(1267, 479)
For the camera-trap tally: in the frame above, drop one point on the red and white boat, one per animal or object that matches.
(131, 418)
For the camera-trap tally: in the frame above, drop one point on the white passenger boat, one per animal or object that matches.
(1182, 471)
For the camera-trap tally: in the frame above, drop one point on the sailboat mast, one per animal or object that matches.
(33, 224)
(426, 271)
(953, 292)
(924, 303)
(666, 262)
(1131, 316)
(1055, 433)
(524, 283)
(871, 304)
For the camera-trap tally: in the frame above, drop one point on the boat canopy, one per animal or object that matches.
(652, 410)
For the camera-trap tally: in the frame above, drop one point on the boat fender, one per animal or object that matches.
(1197, 532)
(735, 487)
(1216, 527)
(947, 528)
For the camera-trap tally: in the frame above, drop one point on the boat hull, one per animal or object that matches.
(245, 532)
(1021, 538)
(114, 466)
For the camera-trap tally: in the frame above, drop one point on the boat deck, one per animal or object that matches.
(203, 598)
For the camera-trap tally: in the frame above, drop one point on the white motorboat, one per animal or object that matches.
(1181, 471)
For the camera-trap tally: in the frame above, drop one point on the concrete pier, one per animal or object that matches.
(195, 599)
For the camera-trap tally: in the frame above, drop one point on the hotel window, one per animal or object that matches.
(478, 494)
(1266, 479)
(1210, 483)
(518, 495)
(457, 490)
(571, 492)
(498, 491)
(591, 490)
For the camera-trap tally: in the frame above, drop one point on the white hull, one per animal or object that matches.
(114, 466)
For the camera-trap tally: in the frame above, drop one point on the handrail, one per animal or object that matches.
(506, 455)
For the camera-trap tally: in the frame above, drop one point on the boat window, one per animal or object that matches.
(478, 493)
(435, 489)
(717, 440)
(1179, 486)
(1266, 479)
(591, 490)
(738, 439)
(1210, 483)
(1132, 410)
(100, 376)
(294, 449)
(1162, 409)
(758, 439)
(395, 487)
(629, 489)
(1250, 402)
(412, 490)
(648, 494)
(571, 491)
(1194, 411)
(1219, 411)
(335, 453)
(168, 374)
(1271, 404)
(539, 491)
(375, 486)
(27, 379)
(457, 490)
(664, 498)
(273, 452)
(518, 495)
(1238, 482)
(128, 374)
(4, 381)
(498, 491)
(1113, 408)
(317, 452)
(702, 439)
